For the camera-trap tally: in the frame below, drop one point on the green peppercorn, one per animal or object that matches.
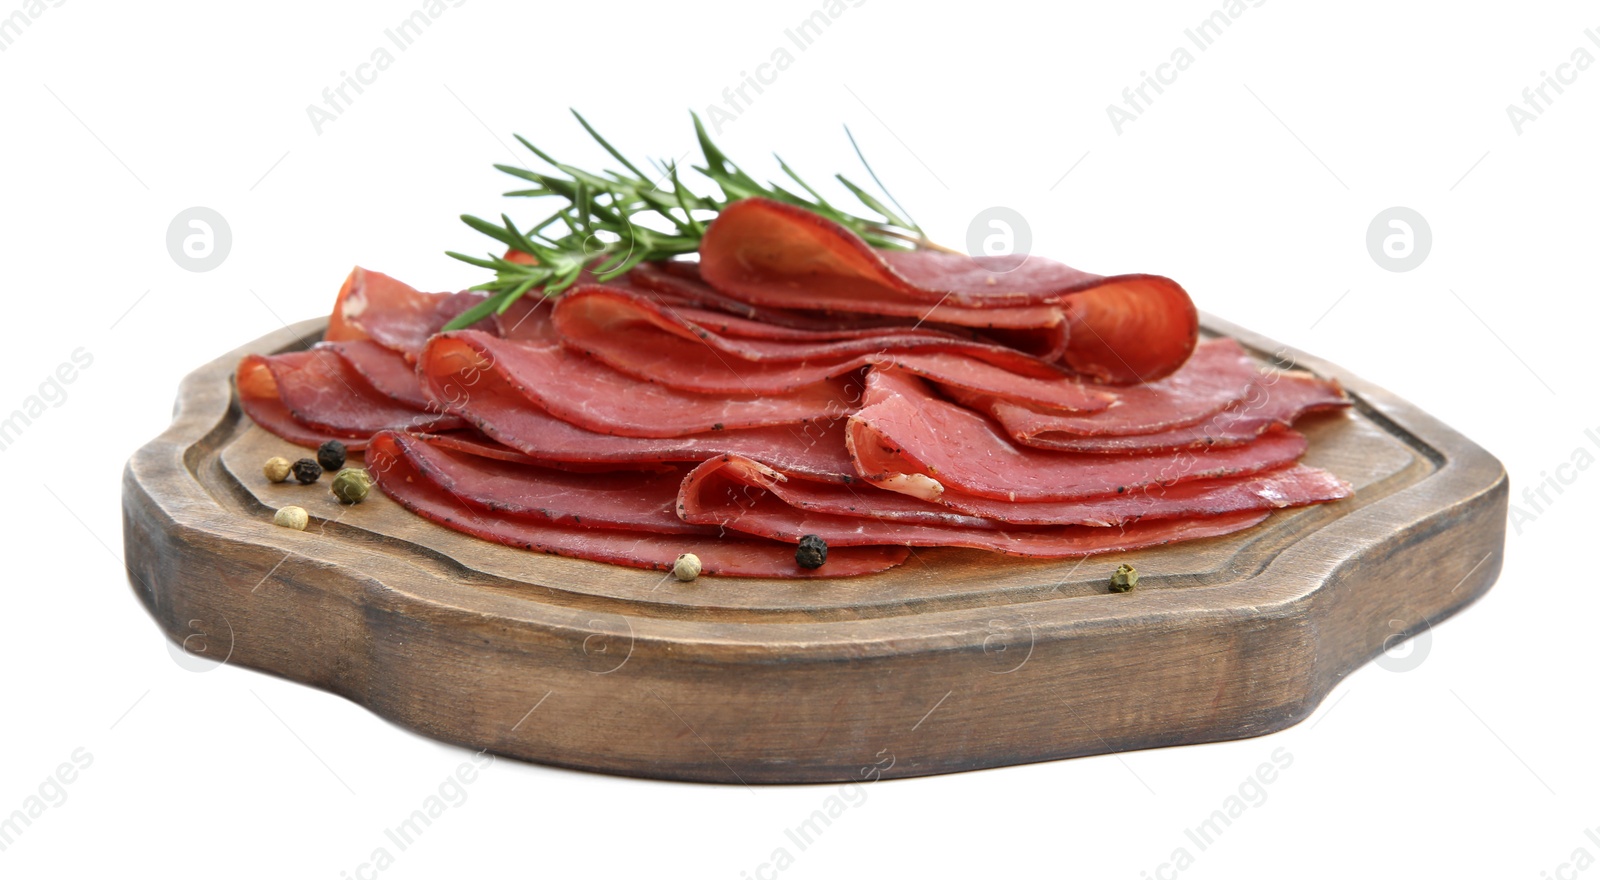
(331, 455)
(306, 470)
(351, 485)
(812, 552)
(1124, 578)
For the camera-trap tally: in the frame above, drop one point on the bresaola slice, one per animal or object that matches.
(741, 494)
(1218, 398)
(490, 401)
(654, 343)
(644, 501)
(327, 396)
(906, 440)
(399, 478)
(1122, 329)
(1267, 407)
(1217, 374)
(528, 320)
(821, 308)
(371, 305)
(258, 396)
(386, 370)
(1292, 486)
(591, 395)
(588, 312)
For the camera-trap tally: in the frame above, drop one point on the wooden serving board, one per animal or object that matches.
(956, 660)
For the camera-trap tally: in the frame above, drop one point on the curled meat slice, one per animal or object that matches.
(1122, 329)
(400, 479)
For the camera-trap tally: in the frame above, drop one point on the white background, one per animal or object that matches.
(1252, 180)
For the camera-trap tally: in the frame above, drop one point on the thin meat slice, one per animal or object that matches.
(474, 442)
(835, 498)
(488, 400)
(1043, 345)
(643, 501)
(384, 369)
(258, 395)
(587, 393)
(910, 441)
(1122, 329)
(527, 319)
(678, 283)
(371, 305)
(401, 480)
(588, 312)
(1219, 372)
(639, 339)
(774, 255)
(1293, 486)
(1265, 408)
(339, 329)
(742, 495)
(323, 393)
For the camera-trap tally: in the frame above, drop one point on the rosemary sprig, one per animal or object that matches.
(611, 221)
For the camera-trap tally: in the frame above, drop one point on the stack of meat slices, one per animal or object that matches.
(795, 381)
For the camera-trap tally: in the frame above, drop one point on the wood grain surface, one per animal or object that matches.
(956, 660)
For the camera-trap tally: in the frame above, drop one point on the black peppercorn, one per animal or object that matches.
(812, 552)
(306, 471)
(331, 455)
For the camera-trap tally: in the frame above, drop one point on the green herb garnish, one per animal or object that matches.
(614, 220)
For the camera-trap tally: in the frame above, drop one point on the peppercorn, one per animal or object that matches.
(687, 568)
(1124, 578)
(351, 484)
(291, 517)
(306, 470)
(812, 552)
(331, 455)
(276, 469)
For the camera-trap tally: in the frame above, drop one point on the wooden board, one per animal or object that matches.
(956, 660)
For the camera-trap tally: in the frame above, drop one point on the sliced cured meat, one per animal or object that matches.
(339, 329)
(371, 305)
(741, 495)
(643, 501)
(678, 283)
(324, 394)
(1122, 329)
(586, 313)
(384, 369)
(774, 255)
(527, 320)
(1293, 486)
(1045, 345)
(258, 396)
(476, 443)
(1266, 407)
(1217, 374)
(587, 393)
(489, 401)
(910, 441)
(645, 341)
(726, 555)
